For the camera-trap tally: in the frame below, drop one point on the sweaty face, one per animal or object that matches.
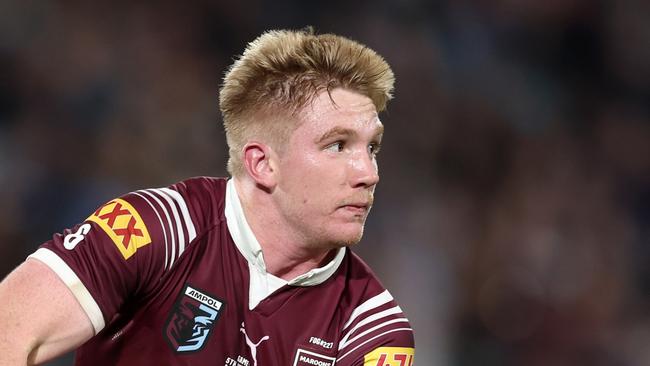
(328, 171)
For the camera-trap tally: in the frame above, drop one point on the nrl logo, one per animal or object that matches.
(191, 320)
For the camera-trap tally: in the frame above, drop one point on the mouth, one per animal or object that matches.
(357, 207)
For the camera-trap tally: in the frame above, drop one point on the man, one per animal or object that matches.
(249, 271)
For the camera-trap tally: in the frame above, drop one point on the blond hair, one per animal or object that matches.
(281, 72)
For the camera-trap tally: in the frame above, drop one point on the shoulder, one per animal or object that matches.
(208, 193)
(198, 191)
(374, 323)
(362, 282)
(204, 184)
(196, 202)
(124, 248)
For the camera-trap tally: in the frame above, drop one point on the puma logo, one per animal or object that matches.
(251, 345)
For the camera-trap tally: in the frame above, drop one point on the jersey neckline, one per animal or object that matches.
(262, 284)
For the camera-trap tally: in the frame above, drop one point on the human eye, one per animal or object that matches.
(373, 148)
(337, 146)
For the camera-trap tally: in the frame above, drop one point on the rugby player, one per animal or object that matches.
(251, 270)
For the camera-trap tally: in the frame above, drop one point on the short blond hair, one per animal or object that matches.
(281, 72)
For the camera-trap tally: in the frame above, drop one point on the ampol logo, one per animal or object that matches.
(192, 319)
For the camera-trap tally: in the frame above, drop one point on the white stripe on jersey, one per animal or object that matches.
(164, 229)
(191, 231)
(169, 225)
(388, 322)
(177, 219)
(369, 304)
(75, 285)
(382, 314)
(372, 339)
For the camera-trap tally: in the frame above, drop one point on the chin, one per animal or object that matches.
(345, 238)
(337, 234)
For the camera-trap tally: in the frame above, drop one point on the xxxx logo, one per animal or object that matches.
(123, 225)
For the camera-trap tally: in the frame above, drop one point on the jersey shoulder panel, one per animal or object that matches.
(375, 326)
(184, 211)
(206, 196)
(125, 247)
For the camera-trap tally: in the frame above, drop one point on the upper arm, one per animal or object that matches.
(118, 254)
(74, 284)
(40, 318)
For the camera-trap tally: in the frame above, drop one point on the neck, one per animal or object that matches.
(286, 254)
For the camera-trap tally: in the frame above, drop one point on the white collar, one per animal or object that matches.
(262, 283)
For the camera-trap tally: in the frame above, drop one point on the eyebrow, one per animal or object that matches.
(342, 131)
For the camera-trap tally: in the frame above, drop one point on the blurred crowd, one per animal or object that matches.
(512, 217)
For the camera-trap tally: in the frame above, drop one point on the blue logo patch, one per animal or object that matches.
(191, 320)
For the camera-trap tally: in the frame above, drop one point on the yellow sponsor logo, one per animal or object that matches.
(390, 356)
(123, 225)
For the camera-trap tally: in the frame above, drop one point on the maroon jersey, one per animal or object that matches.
(175, 276)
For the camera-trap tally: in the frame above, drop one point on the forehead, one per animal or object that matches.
(340, 108)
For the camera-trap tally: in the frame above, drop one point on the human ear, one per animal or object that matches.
(258, 164)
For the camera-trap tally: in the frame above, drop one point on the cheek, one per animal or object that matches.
(314, 192)
(310, 180)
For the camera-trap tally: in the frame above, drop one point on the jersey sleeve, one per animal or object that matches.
(377, 334)
(122, 250)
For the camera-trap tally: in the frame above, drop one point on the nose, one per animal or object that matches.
(364, 171)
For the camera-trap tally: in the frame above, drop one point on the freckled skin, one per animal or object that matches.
(321, 178)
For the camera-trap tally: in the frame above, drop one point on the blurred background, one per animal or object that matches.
(513, 213)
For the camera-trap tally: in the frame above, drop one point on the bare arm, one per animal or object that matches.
(39, 316)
